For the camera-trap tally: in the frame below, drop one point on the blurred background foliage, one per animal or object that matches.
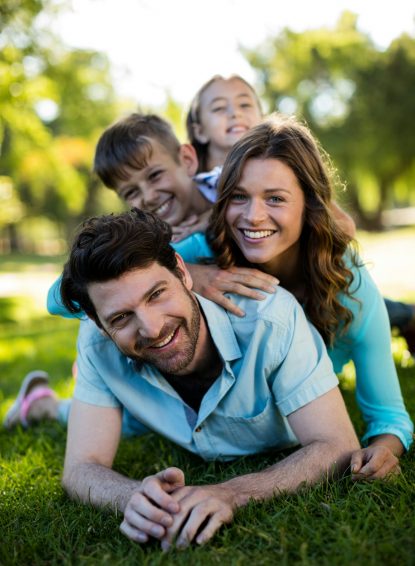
(56, 101)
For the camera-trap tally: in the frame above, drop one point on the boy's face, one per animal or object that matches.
(163, 186)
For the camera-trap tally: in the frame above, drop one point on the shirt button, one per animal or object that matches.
(198, 429)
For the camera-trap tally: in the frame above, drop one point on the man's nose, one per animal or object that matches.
(149, 327)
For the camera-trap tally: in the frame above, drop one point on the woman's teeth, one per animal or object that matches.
(257, 234)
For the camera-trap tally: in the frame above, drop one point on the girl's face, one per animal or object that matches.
(228, 109)
(265, 214)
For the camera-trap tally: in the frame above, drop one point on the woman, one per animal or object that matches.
(273, 213)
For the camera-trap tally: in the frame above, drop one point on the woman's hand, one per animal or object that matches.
(212, 282)
(374, 462)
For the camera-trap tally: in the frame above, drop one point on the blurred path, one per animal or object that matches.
(390, 259)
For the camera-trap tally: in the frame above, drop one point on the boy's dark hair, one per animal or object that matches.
(106, 247)
(127, 143)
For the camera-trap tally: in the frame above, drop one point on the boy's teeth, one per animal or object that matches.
(161, 209)
(258, 233)
(165, 341)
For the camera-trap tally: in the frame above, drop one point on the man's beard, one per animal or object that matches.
(176, 361)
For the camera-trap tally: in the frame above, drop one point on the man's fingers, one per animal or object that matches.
(214, 523)
(132, 533)
(140, 506)
(172, 476)
(136, 521)
(153, 490)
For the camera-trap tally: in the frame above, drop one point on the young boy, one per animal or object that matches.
(143, 161)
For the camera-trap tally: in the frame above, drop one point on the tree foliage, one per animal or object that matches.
(358, 101)
(54, 102)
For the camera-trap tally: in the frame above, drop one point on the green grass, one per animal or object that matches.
(332, 523)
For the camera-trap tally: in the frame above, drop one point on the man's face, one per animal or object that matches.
(164, 186)
(152, 317)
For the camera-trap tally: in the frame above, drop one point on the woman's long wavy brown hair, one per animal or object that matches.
(323, 243)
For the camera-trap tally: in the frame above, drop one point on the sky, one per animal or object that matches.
(160, 46)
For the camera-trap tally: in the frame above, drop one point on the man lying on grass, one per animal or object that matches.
(221, 386)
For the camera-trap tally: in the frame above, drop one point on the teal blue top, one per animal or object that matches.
(367, 343)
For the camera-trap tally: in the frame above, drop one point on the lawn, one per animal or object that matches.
(332, 523)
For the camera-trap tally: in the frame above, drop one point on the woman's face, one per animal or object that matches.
(265, 214)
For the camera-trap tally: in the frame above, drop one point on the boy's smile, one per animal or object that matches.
(164, 186)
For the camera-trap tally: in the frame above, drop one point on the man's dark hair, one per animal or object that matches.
(106, 247)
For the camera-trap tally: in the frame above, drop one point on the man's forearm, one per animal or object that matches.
(99, 486)
(307, 465)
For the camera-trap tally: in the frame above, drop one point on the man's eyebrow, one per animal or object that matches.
(108, 317)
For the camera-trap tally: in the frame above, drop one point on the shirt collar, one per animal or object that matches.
(220, 328)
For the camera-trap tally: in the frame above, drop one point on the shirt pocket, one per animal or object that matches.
(268, 429)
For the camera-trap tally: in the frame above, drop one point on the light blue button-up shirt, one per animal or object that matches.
(274, 362)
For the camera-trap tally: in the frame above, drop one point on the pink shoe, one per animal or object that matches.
(33, 387)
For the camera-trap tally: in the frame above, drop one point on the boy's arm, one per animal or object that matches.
(195, 223)
(323, 428)
(54, 301)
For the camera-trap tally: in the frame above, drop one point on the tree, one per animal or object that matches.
(355, 98)
(54, 102)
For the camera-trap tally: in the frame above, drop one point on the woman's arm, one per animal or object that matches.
(389, 427)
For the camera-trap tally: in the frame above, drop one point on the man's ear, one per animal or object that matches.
(198, 133)
(186, 277)
(188, 158)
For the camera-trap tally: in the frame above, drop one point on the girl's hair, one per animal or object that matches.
(193, 117)
(322, 243)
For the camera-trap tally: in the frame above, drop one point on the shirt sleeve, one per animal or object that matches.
(194, 248)
(92, 353)
(378, 391)
(305, 371)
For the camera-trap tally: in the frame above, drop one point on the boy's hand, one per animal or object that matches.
(192, 224)
(210, 506)
(212, 282)
(150, 510)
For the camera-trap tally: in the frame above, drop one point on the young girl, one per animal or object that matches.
(274, 213)
(221, 112)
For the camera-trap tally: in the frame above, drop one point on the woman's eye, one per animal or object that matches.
(218, 108)
(246, 105)
(238, 197)
(275, 200)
